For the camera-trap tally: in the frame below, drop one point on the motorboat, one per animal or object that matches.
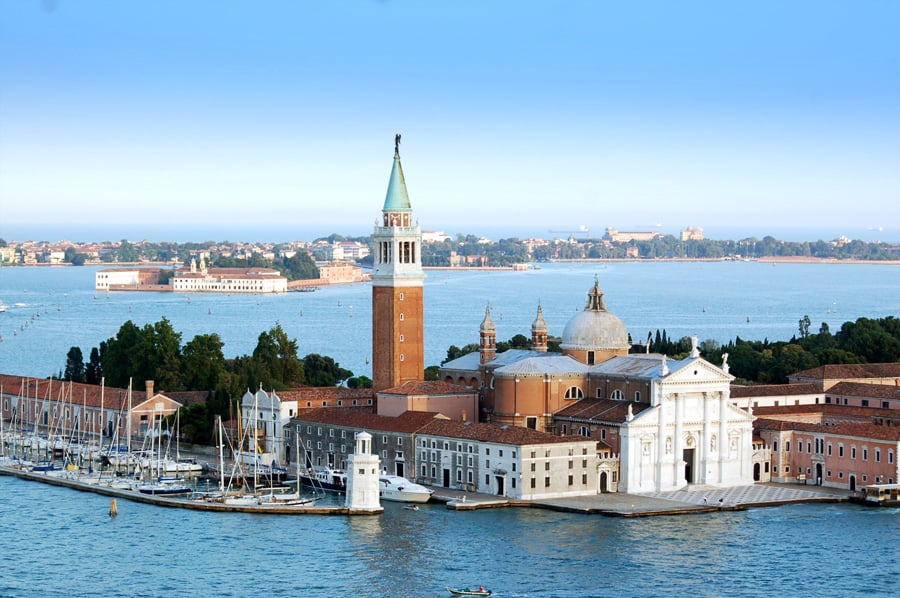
(325, 478)
(399, 489)
(479, 591)
(164, 486)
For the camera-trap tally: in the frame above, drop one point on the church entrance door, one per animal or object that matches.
(603, 485)
(688, 457)
(500, 486)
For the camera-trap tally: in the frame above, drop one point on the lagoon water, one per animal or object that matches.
(53, 309)
(60, 542)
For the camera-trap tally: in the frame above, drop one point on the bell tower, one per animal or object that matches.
(398, 353)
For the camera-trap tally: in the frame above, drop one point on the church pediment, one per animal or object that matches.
(698, 370)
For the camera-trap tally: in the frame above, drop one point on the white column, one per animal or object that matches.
(706, 453)
(722, 445)
(677, 446)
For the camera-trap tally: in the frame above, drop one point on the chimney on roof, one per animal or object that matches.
(149, 386)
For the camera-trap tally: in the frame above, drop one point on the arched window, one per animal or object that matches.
(617, 395)
(573, 392)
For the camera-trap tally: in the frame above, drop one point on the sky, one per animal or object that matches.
(203, 116)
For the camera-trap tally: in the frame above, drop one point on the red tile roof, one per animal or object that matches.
(313, 393)
(856, 430)
(851, 370)
(91, 395)
(861, 389)
(769, 390)
(494, 433)
(597, 410)
(364, 419)
(419, 388)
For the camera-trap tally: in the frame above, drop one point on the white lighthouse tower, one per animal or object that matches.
(362, 476)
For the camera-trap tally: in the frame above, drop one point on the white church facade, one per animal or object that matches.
(659, 424)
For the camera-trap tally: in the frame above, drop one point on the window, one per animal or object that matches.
(571, 480)
(829, 449)
(573, 392)
(877, 455)
(840, 450)
(584, 479)
(547, 466)
(547, 482)
(534, 467)
(469, 477)
(331, 433)
(865, 453)
(487, 463)
(853, 452)
(343, 433)
(533, 483)
(787, 446)
(617, 395)
(501, 452)
(487, 479)
(637, 396)
(459, 475)
(399, 441)
(384, 439)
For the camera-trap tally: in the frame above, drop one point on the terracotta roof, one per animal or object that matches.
(416, 387)
(90, 395)
(311, 393)
(851, 370)
(826, 409)
(364, 419)
(861, 389)
(769, 390)
(606, 410)
(494, 433)
(80, 394)
(856, 430)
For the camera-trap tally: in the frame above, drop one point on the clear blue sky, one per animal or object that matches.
(536, 114)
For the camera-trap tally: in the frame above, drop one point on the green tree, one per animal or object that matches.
(433, 373)
(127, 252)
(360, 382)
(276, 360)
(300, 266)
(203, 365)
(118, 355)
(74, 366)
(93, 373)
(323, 371)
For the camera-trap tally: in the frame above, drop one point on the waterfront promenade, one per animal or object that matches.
(679, 502)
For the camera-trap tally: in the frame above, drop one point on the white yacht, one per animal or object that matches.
(394, 487)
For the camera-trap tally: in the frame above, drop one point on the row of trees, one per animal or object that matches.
(155, 352)
(764, 362)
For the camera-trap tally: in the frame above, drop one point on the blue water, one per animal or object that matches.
(712, 300)
(56, 541)
(61, 542)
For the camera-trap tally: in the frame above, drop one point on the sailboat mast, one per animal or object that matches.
(221, 457)
(128, 431)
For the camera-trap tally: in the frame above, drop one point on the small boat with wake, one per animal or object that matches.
(479, 591)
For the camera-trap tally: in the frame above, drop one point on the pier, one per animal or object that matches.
(72, 482)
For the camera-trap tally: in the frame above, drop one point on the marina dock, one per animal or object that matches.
(177, 503)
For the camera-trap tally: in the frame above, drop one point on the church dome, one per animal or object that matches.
(595, 329)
